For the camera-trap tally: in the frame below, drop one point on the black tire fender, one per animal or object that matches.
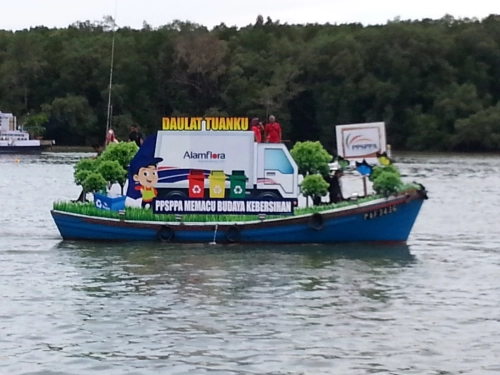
(166, 233)
(316, 221)
(233, 233)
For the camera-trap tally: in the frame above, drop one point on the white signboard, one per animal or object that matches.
(361, 141)
(209, 151)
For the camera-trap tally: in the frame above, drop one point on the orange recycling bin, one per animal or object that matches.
(196, 180)
(217, 184)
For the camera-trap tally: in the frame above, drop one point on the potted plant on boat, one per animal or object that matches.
(312, 160)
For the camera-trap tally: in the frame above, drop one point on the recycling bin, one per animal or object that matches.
(217, 184)
(238, 182)
(196, 180)
(108, 203)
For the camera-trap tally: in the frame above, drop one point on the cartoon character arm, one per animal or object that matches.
(138, 187)
(156, 192)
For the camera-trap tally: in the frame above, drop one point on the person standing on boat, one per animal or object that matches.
(135, 136)
(110, 137)
(98, 149)
(257, 128)
(335, 188)
(273, 131)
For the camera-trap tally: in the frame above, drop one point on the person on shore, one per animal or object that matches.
(257, 128)
(273, 131)
(136, 136)
(335, 188)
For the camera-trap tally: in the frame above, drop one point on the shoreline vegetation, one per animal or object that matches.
(435, 82)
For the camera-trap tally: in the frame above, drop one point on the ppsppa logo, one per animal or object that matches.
(360, 142)
(209, 155)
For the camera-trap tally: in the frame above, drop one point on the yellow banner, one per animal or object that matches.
(207, 123)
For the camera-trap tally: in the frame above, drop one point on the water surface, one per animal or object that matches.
(429, 307)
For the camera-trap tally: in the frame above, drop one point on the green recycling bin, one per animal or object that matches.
(238, 182)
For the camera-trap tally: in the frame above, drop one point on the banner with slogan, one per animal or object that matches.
(187, 206)
(205, 124)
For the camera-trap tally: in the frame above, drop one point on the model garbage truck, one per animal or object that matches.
(223, 164)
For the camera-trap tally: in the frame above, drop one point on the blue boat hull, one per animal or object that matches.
(383, 220)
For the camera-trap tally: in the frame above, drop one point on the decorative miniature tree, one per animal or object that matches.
(111, 166)
(314, 186)
(377, 170)
(112, 172)
(386, 180)
(122, 152)
(93, 183)
(83, 169)
(311, 158)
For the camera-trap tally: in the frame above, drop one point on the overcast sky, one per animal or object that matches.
(20, 14)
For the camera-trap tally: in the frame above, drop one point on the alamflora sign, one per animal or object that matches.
(361, 141)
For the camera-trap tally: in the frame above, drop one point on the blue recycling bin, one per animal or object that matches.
(104, 202)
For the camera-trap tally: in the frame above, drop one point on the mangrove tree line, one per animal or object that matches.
(436, 83)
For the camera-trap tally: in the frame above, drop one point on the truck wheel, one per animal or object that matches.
(268, 196)
(175, 194)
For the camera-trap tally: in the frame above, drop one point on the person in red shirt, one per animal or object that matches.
(273, 131)
(257, 128)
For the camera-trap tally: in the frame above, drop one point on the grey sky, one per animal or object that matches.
(19, 14)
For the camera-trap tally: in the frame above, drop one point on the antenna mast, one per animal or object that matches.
(109, 117)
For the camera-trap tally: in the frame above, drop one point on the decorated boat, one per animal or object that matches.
(203, 180)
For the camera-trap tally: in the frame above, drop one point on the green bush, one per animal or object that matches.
(387, 183)
(122, 152)
(313, 186)
(93, 183)
(311, 158)
(111, 166)
(377, 170)
(112, 172)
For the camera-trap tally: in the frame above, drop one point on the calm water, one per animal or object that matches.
(431, 307)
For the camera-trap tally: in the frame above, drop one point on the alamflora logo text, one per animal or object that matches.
(360, 142)
(209, 155)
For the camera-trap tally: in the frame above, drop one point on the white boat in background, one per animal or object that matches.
(13, 141)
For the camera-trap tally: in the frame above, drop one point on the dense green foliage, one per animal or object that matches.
(110, 167)
(379, 169)
(112, 172)
(314, 185)
(311, 157)
(436, 83)
(386, 180)
(94, 182)
(122, 153)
